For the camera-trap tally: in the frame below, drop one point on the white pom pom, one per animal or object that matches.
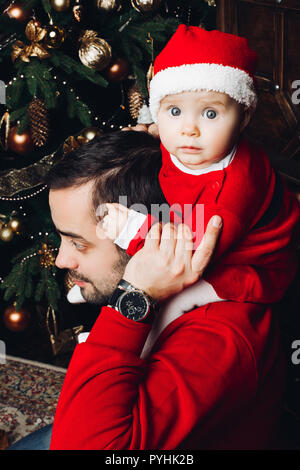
(144, 115)
(82, 337)
(74, 295)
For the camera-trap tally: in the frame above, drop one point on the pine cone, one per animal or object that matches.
(135, 101)
(39, 122)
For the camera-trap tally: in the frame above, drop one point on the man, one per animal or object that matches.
(94, 261)
(148, 378)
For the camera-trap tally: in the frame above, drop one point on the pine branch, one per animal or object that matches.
(70, 66)
(28, 279)
(47, 6)
(77, 108)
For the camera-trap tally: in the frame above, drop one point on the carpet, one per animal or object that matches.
(29, 393)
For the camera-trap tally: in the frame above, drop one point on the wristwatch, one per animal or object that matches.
(133, 303)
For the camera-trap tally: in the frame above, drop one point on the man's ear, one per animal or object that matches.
(247, 114)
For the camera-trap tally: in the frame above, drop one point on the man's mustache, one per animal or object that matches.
(76, 276)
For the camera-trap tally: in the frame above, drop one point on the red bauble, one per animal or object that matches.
(118, 70)
(19, 143)
(16, 320)
(17, 12)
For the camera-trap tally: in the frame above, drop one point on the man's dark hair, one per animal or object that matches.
(122, 163)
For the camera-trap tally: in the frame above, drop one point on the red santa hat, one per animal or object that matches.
(195, 59)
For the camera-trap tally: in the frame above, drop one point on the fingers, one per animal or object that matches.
(152, 240)
(138, 127)
(162, 239)
(184, 244)
(205, 250)
(168, 240)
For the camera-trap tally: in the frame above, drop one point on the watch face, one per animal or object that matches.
(134, 305)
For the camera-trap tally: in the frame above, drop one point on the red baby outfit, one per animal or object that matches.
(254, 260)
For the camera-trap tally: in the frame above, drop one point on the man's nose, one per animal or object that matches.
(66, 259)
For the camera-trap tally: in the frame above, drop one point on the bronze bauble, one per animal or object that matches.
(19, 143)
(16, 320)
(118, 70)
(60, 5)
(16, 11)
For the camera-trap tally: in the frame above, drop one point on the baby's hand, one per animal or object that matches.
(115, 220)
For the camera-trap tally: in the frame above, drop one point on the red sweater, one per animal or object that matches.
(214, 380)
(255, 258)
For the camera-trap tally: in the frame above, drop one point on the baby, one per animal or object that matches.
(202, 97)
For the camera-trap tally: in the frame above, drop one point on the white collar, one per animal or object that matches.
(214, 167)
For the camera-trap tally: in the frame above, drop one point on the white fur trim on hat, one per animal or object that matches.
(195, 77)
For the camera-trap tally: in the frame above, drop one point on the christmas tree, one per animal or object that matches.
(70, 70)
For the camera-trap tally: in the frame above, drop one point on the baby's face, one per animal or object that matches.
(200, 127)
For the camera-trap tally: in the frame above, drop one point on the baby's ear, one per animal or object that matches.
(246, 116)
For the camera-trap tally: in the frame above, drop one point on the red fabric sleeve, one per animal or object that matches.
(202, 371)
(138, 241)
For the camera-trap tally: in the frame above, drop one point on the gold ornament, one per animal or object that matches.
(15, 224)
(135, 101)
(150, 74)
(211, 3)
(60, 5)
(6, 233)
(39, 122)
(72, 143)
(16, 320)
(145, 6)
(94, 52)
(47, 257)
(35, 34)
(66, 340)
(55, 36)
(6, 120)
(108, 5)
(78, 11)
(89, 133)
(69, 283)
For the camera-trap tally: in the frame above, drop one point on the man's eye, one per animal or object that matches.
(210, 114)
(175, 111)
(78, 246)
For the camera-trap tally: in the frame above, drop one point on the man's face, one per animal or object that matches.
(200, 127)
(92, 259)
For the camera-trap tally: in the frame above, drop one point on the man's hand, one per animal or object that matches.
(150, 128)
(166, 263)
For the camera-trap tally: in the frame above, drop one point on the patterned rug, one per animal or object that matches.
(29, 393)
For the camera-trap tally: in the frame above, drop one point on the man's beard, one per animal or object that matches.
(101, 292)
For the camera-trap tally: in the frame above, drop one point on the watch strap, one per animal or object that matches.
(125, 286)
(114, 297)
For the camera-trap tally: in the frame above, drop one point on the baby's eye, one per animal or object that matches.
(210, 114)
(175, 111)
